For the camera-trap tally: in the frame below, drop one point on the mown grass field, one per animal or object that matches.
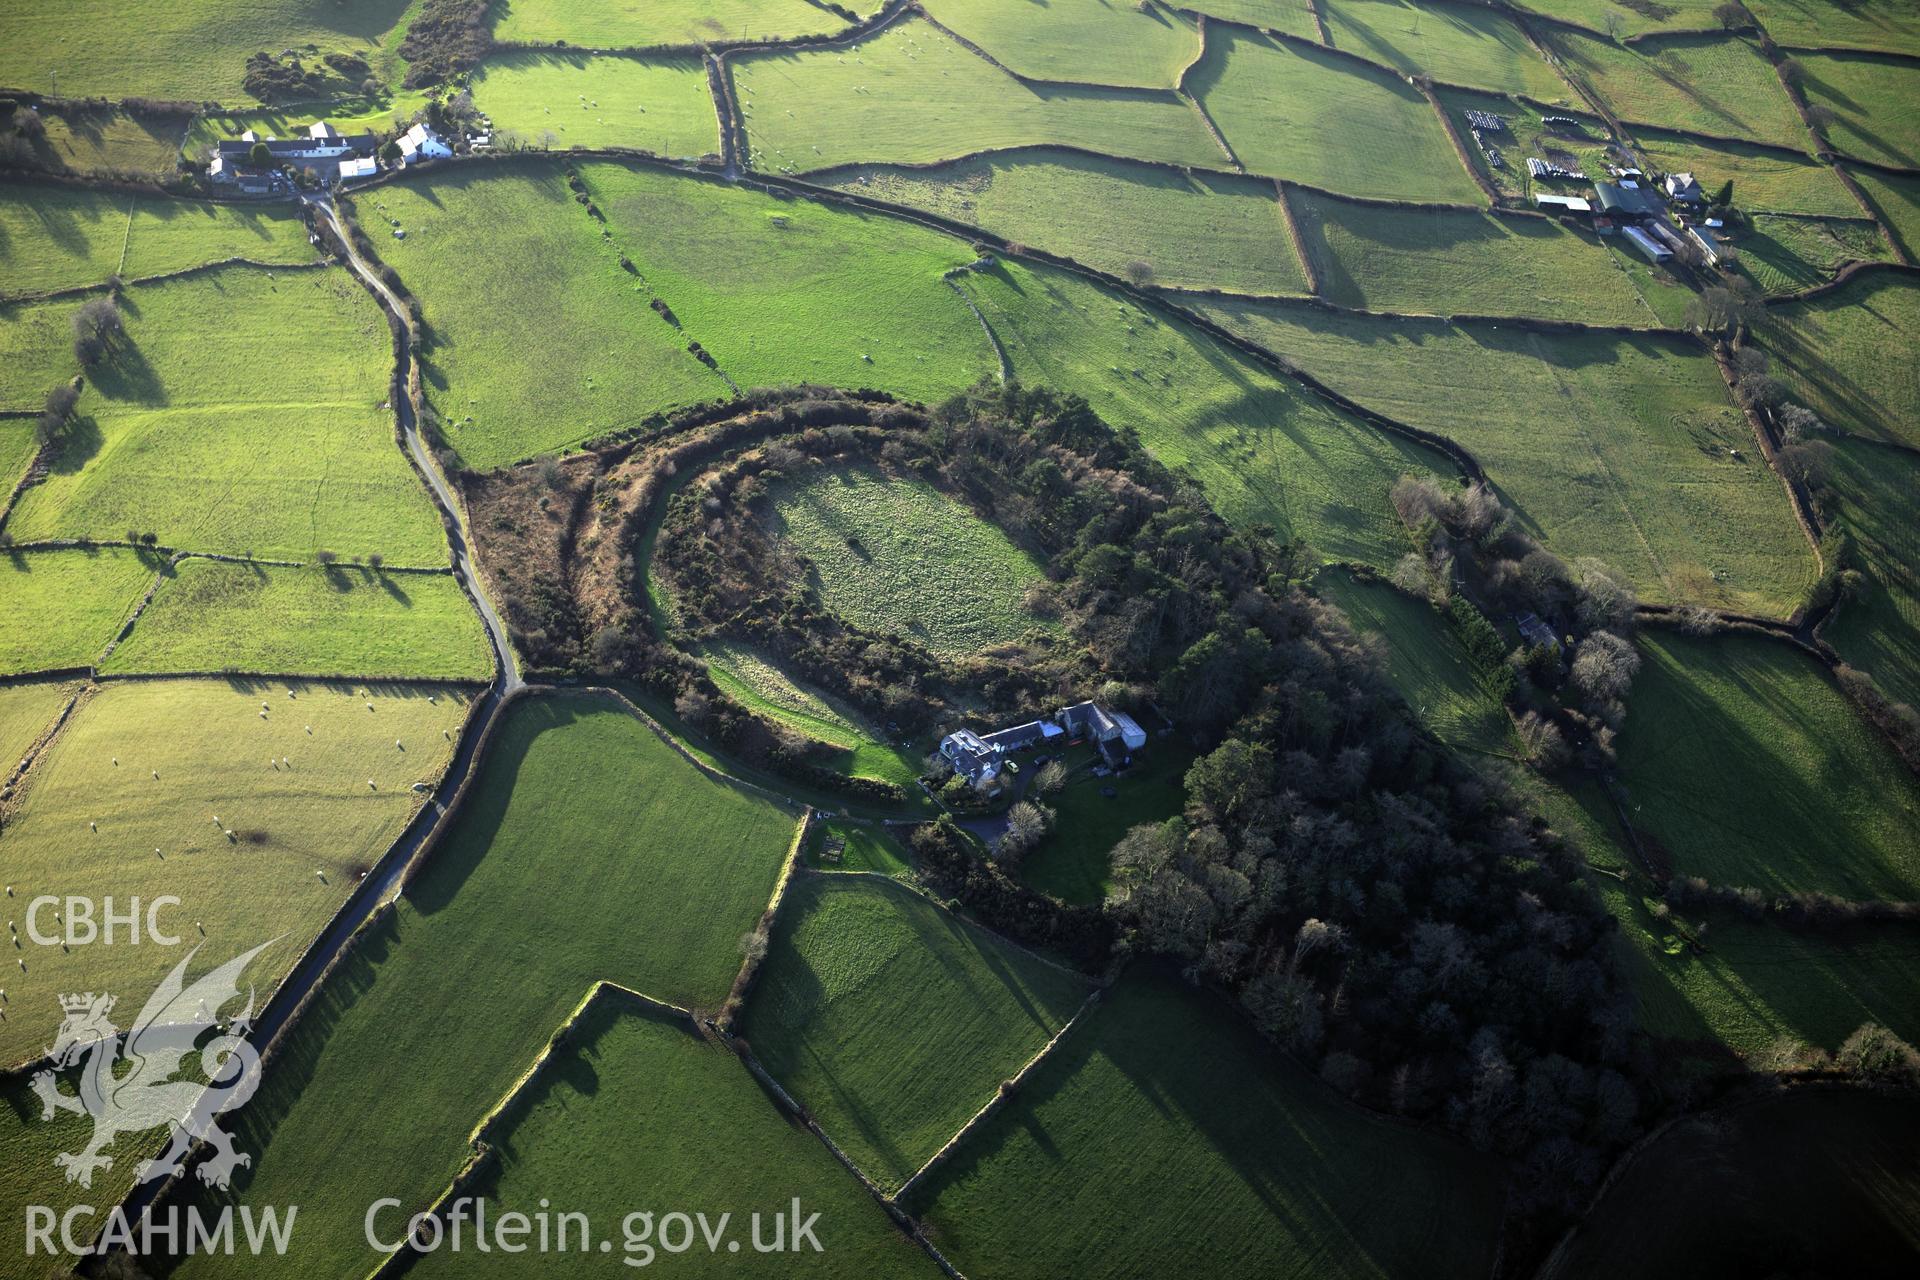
(1462, 262)
(506, 263)
(1318, 119)
(1265, 451)
(1198, 230)
(212, 615)
(1705, 84)
(571, 99)
(892, 1020)
(1875, 102)
(1162, 1138)
(911, 95)
(1815, 1179)
(1897, 202)
(760, 685)
(64, 237)
(1872, 490)
(1095, 41)
(36, 355)
(587, 850)
(640, 1109)
(1455, 45)
(1848, 356)
(93, 813)
(108, 140)
(1294, 17)
(674, 22)
(783, 291)
(1607, 446)
(1836, 24)
(1071, 863)
(1763, 180)
(26, 709)
(1425, 661)
(179, 436)
(163, 49)
(893, 555)
(1785, 254)
(1744, 762)
(59, 608)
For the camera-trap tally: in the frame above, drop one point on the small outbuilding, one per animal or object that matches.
(1562, 204)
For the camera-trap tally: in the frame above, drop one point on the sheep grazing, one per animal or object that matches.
(370, 785)
(116, 762)
(369, 706)
(93, 826)
(156, 775)
(432, 701)
(397, 746)
(263, 715)
(216, 820)
(264, 707)
(309, 731)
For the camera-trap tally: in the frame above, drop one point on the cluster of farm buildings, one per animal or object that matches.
(982, 758)
(323, 151)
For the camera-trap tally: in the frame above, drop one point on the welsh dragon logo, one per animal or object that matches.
(128, 1085)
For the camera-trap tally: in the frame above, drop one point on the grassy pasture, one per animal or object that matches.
(588, 850)
(1425, 661)
(1707, 84)
(1875, 101)
(867, 849)
(1460, 261)
(60, 608)
(1747, 765)
(212, 615)
(1163, 1138)
(1455, 45)
(892, 1020)
(1872, 493)
(1848, 356)
(1810, 1181)
(1897, 201)
(26, 709)
(1607, 446)
(166, 49)
(783, 291)
(1293, 17)
(1784, 254)
(108, 140)
(1763, 180)
(1265, 451)
(1088, 40)
(573, 99)
(1071, 863)
(640, 1109)
(1198, 230)
(896, 556)
(18, 446)
(673, 22)
(36, 354)
(1840, 24)
(1603, 15)
(178, 436)
(62, 237)
(910, 95)
(506, 263)
(216, 756)
(1318, 119)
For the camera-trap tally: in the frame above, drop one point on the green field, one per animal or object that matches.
(545, 282)
(1096, 41)
(1875, 101)
(1162, 1138)
(910, 95)
(107, 140)
(1841, 24)
(1266, 452)
(266, 454)
(1071, 863)
(18, 447)
(1454, 45)
(750, 679)
(669, 22)
(1595, 15)
(1318, 119)
(1425, 661)
(1848, 356)
(212, 615)
(303, 832)
(26, 709)
(1462, 262)
(1608, 446)
(61, 608)
(895, 556)
(1703, 84)
(1872, 492)
(640, 1109)
(1196, 230)
(1785, 254)
(786, 291)
(1744, 762)
(36, 354)
(1813, 1181)
(169, 49)
(63, 237)
(867, 848)
(1763, 180)
(1293, 17)
(569, 99)
(1897, 201)
(892, 1020)
(588, 850)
